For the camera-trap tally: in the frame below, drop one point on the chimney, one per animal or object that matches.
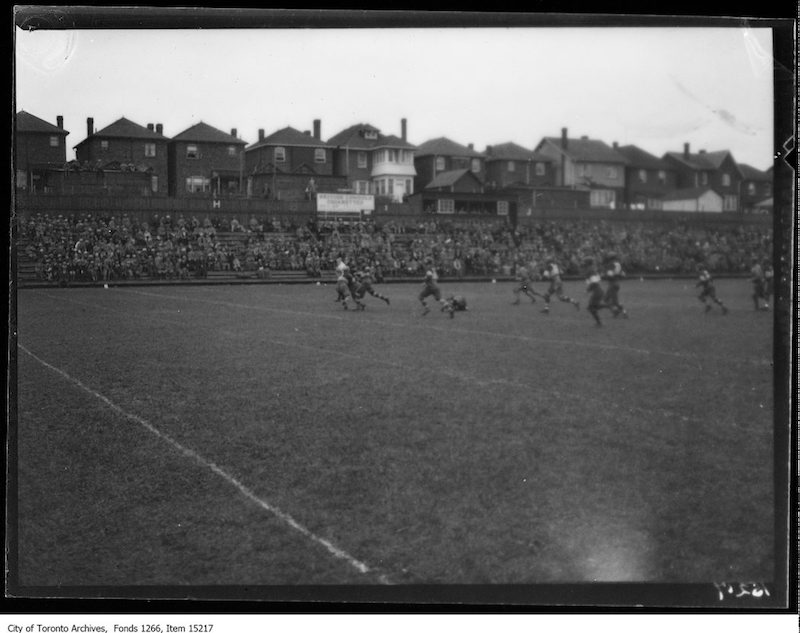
(403, 129)
(150, 127)
(307, 132)
(564, 138)
(160, 128)
(261, 134)
(488, 150)
(584, 138)
(471, 146)
(686, 150)
(615, 145)
(233, 132)
(702, 151)
(89, 126)
(60, 121)
(317, 129)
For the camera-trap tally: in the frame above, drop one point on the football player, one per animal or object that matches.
(552, 272)
(706, 283)
(614, 273)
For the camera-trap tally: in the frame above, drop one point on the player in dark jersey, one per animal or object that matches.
(430, 288)
(362, 285)
(453, 304)
(706, 283)
(596, 296)
(524, 278)
(553, 273)
(345, 286)
(614, 273)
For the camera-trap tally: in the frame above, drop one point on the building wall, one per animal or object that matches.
(126, 150)
(34, 147)
(295, 157)
(652, 189)
(498, 172)
(211, 156)
(709, 202)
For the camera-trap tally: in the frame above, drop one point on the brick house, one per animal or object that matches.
(204, 161)
(717, 170)
(133, 148)
(647, 178)
(461, 191)
(39, 148)
(374, 163)
(290, 165)
(756, 187)
(694, 199)
(440, 155)
(511, 165)
(586, 163)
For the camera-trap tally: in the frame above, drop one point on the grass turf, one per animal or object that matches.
(501, 446)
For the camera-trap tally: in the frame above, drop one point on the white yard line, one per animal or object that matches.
(249, 494)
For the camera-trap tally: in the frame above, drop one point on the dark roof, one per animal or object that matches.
(701, 160)
(509, 151)
(123, 128)
(447, 178)
(588, 150)
(640, 159)
(204, 133)
(444, 147)
(353, 137)
(751, 173)
(692, 193)
(26, 122)
(289, 136)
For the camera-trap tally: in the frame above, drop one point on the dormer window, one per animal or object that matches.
(371, 134)
(440, 163)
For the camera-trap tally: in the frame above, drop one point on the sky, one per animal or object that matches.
(656, 88)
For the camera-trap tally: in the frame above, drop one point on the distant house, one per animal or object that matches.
(439, 155)
(39, 148)
(647, 178)
(374, 163)
(586, 163)
(693, 199)
(456, 180)
(755, 188)
(205, 161)
(291, 165)
(461, 192)
(134, 148)
(708, 169)
(509, 164)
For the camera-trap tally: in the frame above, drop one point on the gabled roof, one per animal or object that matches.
(510, 151)
(353, 137)
(692, 193)
(289, 136)
(443, 146)
(640, 159)
(204, 133)
(751, 173)
(27, 123)
(701, 161)
(123, 128)
(449, 178)
(587, 150)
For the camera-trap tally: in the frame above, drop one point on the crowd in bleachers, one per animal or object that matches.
(104, 248)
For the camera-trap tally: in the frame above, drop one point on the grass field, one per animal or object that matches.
(261, 435)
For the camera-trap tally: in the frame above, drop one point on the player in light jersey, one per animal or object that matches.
(430, 288)
(552, 272)
(345, 285)
(769, 282)
(614, 273)
(455, 303)
(525, 277)
(706, 283)
(759, 286)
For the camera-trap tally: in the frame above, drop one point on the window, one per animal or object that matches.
(662, 176)
(612, 173)
(703, 178)
(319, 155)
(154, 184)
(231, 150)
(53, 141)
(197, 184)
(502, 207)
(729, 203)
(192, 151)
(371, 134)
(408, 187)
(104, 145)
(642, 175)
(511, 165)
(446, 206)
(726, 180)
(476, 165)
(583, 169)
(391, 186)
(280, 154)
(540, 169)
(362, 159)
(440, 163)
(362, 186)
(149, 149)
(392, 155)
(751, 188)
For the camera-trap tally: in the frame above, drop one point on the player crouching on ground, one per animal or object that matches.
(708, 291)
(453, 304)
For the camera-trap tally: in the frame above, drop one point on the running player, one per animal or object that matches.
(524, 278)
(345, 285)
(363, 285)
(553, 273)
(614, 273)
(430, 288)
(453, 304)
(597, 299)
(706, 283)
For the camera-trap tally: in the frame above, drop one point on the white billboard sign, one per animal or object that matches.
(345, 203)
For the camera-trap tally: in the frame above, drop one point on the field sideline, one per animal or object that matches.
(261, 435)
